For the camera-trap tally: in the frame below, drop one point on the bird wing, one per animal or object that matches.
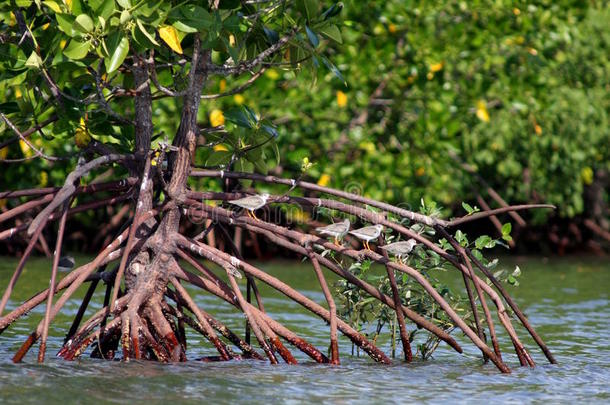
(366, 231)
(247, 202)
(334, 228)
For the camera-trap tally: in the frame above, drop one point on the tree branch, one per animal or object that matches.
(69, 188)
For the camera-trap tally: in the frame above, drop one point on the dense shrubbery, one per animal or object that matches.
(519, 91)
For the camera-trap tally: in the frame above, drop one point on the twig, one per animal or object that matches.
(69, 188)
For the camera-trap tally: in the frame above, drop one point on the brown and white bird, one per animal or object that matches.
(367, 234)
(400, 249)
(337, 230)
(251, 203)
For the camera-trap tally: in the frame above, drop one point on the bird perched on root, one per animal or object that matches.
(367, 234)
(400, 249)
(337, 230)
(251, 203)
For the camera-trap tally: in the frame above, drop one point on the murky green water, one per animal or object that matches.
(566, 300)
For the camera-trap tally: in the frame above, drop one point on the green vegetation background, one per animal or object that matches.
(519, 90)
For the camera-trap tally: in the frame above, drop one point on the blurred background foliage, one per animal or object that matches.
(519, 91)
(516, 90)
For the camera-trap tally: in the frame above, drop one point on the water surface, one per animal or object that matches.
(566, 300)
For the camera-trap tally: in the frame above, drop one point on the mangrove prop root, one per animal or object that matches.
(149, 247)
(404, 335)
(334, 345)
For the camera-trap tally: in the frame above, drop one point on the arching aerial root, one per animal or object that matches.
(138, 319)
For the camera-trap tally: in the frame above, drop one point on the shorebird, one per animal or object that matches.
(400, 249)
(337, 230)
(251, 203)
(367, 234)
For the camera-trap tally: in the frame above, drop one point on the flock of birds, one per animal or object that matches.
(337, 230)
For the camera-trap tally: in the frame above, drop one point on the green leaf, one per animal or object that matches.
(333, 10)
(506, 228)
(117, 56)
(329, 65)
(77, 7)
(191, 18)
(232, 51)
(66, 22)
(272, 35)
(241, 116)
(180, 26)
(106, 9)
(83, 23)
(270, 129)
(468, 208)
(147, 34)
(124, 3)
(77, 50)
(484, 242)
(276, 152)
(460, 237)
(33, 61)
(331, 31)
(310, 7)
(313, 37)
(217, 158)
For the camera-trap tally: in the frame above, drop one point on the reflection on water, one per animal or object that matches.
(567, 301)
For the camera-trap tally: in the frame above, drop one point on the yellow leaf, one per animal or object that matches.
(222, 86)
(392, 28)
(217, 118)
(239, 99)
(532, 51)
(44, 179)
(538, 129)
(25, 149)
(482, 113)
(3, 152)
(231, 40)
(516, 11)
(82, 137)
(44, 27)
(299, 216)
(220, 147)
(53, 6)
(272, 74)
(420, 171)
(169, 35)
(13, 20)
(341, 99)
(586, 174)
(435, 67)
(324, 180)
(430, 76)
(367, 146)
(17, 92)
